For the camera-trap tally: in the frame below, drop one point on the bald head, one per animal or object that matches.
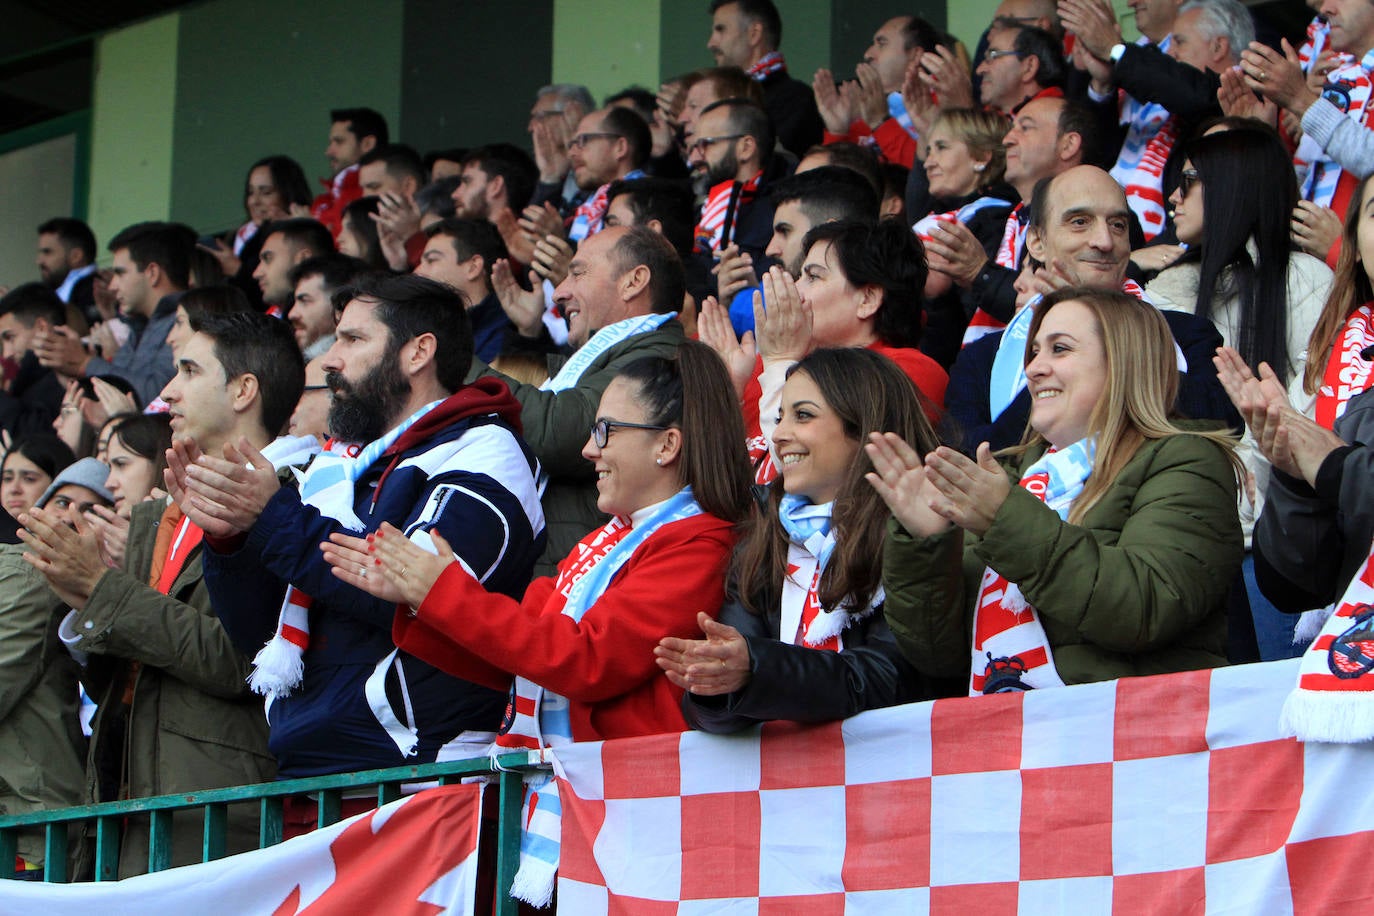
(1080, 224)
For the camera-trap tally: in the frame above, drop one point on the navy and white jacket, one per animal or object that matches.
(463, 470)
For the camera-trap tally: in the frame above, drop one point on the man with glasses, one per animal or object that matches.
(610, 144)
(734, 148)
(1021, 63)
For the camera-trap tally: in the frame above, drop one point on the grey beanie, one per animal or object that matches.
(88, 472)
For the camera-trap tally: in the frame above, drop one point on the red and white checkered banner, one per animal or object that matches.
(1169, 794)
(413, 857)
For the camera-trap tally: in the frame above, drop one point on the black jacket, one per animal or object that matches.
(802, 684)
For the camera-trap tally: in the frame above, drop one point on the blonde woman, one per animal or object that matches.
(1106, 545)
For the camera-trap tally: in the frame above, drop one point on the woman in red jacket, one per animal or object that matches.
(672, 472)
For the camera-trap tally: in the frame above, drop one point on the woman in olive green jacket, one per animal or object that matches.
(1113, 556)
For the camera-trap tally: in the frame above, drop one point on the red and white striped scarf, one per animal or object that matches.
(723, 200)
(1347, 372)
(1009, 256)
(1144, 181)
(1010, 649)
(1334, 699)
(767, 65)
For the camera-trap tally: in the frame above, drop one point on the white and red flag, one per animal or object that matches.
(1168, 794)
(413, 857)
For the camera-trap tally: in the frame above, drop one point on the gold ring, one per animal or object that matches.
(403, 571)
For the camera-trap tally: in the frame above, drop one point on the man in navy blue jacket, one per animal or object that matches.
(428, 453)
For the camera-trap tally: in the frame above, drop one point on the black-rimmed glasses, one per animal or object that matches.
(601, 429)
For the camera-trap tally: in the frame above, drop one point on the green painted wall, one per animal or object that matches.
(465, 91)
(685, 27)
(132, 137)
(258, 77)
(606, 45)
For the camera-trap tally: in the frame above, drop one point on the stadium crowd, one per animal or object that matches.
(749, 398)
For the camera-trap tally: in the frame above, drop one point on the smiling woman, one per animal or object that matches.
(803, 635)
(1115, 553)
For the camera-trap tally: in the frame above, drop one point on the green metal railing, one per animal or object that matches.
(328, 791)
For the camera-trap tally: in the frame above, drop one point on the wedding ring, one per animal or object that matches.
(1263, 76)
(362, 571)
(403, 571)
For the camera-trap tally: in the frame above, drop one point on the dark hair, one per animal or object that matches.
(410, 306)
(894, 183)
(362, 122)
(45, 450)
(472, 237)
(147, 435)
(869, 393)
(218, 300)
(453, 154)
(887, 255)
(693, 392)
(287, 176)
(436, 198)
(513, 166)
(1047, 50)
(72, 233)
(642, 101)
(29, 302)
(918, 33)
(1076, 118)
(625, 123)
(827, 193)
(334, 270)
(667, 200)
(760, 11)
(168, 245)
(251, 343)
(667, 278)
(1232, 165)
(749, 119)
(302, 232)
(359, 216)
(856, 158)
(401, 160)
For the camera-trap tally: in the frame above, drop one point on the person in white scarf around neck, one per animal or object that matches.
(802, 636)
(1115, 554)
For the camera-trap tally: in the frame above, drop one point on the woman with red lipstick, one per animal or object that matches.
(802, 636)
(1107, 544)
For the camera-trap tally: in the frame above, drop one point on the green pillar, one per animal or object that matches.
(132, 126)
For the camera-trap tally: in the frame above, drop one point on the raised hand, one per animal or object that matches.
(739, 355)
(524, 308)
(783, 331)
(970, 492)
(899, 476)
(834, 109)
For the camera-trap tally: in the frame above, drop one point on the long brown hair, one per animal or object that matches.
(869, 394)
(1350, 289)
(693, 392)
(1142, 386)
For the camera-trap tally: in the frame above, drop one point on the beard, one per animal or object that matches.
(724, 170)
(360, 412)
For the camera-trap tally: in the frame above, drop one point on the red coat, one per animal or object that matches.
(604, 663)
(339, 192)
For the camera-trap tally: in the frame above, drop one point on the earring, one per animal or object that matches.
(979, 166)
(658, 461)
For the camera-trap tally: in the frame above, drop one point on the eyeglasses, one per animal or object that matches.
(699, 145)
(1186, 179)
(601, 429)
(581, 140)
(992, 54)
